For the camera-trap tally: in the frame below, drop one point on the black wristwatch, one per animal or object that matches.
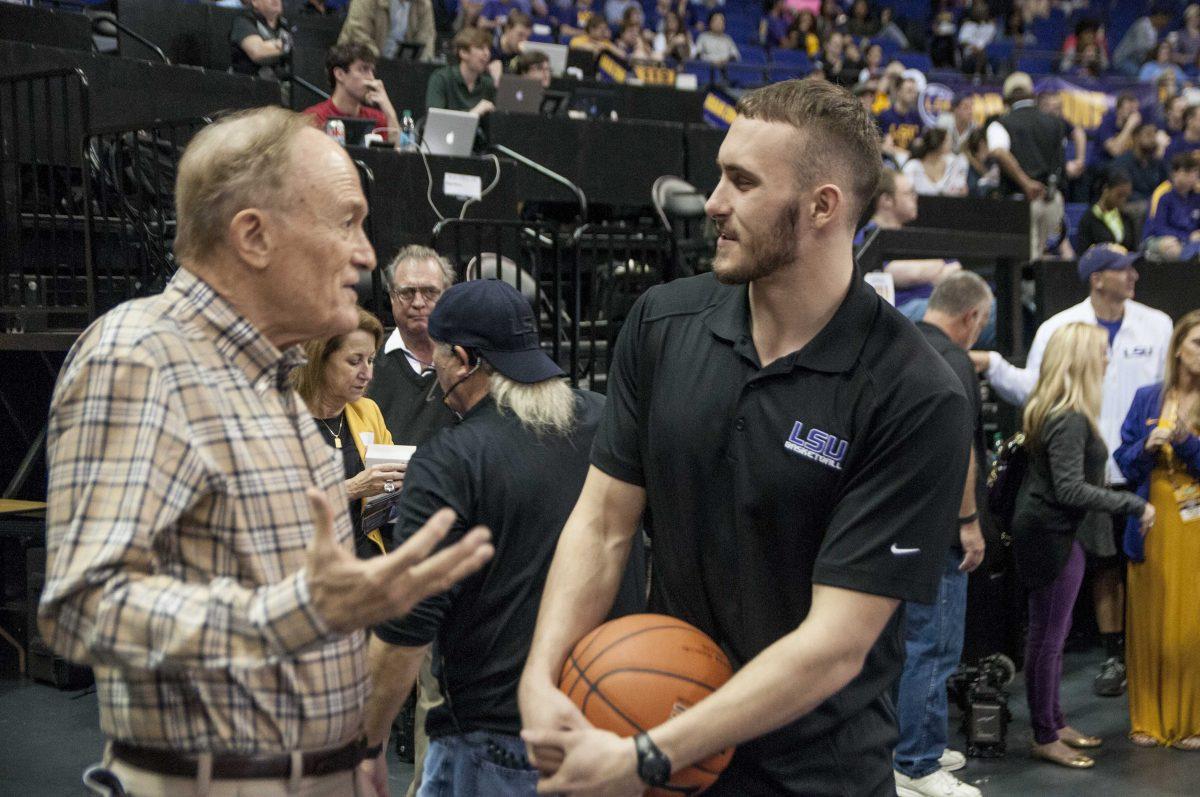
(653, 767)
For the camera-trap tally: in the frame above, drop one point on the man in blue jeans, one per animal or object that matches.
(958, 310)
(515, 463)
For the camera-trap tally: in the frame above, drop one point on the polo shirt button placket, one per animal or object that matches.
(740, 424)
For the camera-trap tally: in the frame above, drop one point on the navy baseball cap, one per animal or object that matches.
(1105, 256)
(492, 317)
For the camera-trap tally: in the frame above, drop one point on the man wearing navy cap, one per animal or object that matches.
(518, 459)
(1138, 337)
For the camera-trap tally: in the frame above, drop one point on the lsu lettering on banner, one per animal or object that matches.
(652, 75)
(719, 109)
(610, 69)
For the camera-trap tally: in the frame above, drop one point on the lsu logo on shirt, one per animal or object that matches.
(821, 447)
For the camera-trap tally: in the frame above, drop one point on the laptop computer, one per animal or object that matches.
(557, 53)
(449, 132)
(519, 94)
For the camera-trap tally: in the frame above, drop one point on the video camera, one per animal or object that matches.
(979, 693)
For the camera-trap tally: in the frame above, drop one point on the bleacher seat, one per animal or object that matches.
(702, 70)
(919, 61)
(777, 72)
(745, 75)
(999, 55)
(1037, 62)
(752, 55)
(891, 47)
(792, 59)
(1051, 31)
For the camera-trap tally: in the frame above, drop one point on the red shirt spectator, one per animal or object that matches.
(324, 111)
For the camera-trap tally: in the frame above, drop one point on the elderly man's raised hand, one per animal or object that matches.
(351, 593)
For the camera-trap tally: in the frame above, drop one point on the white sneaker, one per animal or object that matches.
(952, 760)
(938, 783)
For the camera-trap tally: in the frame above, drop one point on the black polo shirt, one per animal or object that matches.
(493, 471)
(958, 360)
(840, 464)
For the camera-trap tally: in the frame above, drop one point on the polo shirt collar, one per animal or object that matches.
(194, 300)
(834, 349)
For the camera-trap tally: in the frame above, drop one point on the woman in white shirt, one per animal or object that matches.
(933, 168)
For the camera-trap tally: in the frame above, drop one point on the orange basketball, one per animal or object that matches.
(636, 672)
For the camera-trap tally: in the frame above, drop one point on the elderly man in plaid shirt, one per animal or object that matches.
(194, 558)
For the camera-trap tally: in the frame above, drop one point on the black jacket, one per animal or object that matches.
(1092, 230)
(1063, 484)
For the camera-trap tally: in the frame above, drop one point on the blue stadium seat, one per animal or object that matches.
(777, 73)
(1037, 62)
(915, 61)
(752, 54)
(745, 75)
(891, 47)
(547, 39)
(793, 59)
(1050, 32)
(702, 70)
(999, 55)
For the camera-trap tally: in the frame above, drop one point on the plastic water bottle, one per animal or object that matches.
(408, 133)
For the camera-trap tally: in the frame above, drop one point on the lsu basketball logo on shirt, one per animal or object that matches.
(821, 447)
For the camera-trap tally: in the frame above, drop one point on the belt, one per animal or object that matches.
(233, 766)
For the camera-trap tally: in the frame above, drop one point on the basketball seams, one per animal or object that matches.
(632, 634)
(593, 691)
(652, 671)
(595, 633)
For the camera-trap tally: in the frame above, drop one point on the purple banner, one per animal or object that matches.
(1084, 101)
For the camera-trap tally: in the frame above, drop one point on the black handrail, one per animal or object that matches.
(548, 173)
(133, 34)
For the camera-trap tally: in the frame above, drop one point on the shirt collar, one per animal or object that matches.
(194, 300)
(834, 349)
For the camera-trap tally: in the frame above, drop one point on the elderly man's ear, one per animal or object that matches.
(253, 237)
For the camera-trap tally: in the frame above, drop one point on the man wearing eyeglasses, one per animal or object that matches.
(406, 389)
(404, 386)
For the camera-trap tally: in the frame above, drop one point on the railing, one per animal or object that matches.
(581, 282)
(130, 208)
(43, 118)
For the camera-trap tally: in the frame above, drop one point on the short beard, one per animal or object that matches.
(769, 254)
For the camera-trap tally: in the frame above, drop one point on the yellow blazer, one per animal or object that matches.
(366, 421)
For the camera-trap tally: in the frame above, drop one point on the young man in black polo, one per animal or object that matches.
(802, 452)
(515, 463)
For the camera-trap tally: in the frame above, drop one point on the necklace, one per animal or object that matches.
(337, 438)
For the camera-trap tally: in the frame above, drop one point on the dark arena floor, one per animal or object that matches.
(48, 737)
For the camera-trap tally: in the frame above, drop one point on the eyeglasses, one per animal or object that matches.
(407, 293)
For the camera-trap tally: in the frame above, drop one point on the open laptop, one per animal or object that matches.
(449, 132)
(557, 53)
(519, 94)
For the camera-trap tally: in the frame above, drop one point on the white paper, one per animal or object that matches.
(462, 186)
(380, 454)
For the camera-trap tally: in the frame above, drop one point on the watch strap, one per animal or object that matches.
(653, 766)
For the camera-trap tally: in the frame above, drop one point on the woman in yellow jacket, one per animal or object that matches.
(332, 384)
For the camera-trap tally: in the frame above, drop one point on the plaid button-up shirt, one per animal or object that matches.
(177, 527)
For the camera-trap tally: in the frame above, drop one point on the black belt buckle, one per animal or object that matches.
(505, 758)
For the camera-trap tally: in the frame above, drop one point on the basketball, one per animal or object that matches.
(638, 671)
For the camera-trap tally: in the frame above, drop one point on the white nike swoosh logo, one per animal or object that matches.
(904, 551)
